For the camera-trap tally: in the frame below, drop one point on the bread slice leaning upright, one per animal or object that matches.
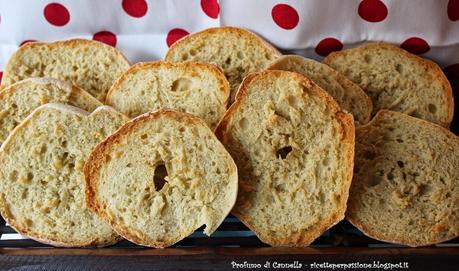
(348, 95)
(91, 65)
(197, 88)
(235, 50)
(294, 148)
(406, 181)
(41, 175)
(160, 177)
(18, 100)
(397, 80)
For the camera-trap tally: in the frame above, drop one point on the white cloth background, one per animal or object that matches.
(143, 36)
(143, 29)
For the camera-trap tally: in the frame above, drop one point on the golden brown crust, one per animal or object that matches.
(188, 66)
(425, 63)
(351, 211)
(97, 158)
(241, 32)
(305, 237)
(50, 240)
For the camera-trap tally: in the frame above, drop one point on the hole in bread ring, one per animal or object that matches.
(367, 58)
(283, 152)
(159, 177)
(432, 108)
(244, 123)
(281, 187)
(181, 84)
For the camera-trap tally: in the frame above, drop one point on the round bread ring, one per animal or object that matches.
(406, 181)
(294, 148)
(125, 189)
(41, 175)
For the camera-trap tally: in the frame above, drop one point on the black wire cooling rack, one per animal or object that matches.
(232, 233)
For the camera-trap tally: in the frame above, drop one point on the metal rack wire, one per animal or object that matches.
(232, 233)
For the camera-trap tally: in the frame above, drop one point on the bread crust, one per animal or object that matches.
(351, 212)
(97, 157)
(347, 133)
(428, 65)
(241, 32)
(95, 242)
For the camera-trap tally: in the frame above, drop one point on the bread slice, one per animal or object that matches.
(197, 88)
(160, 177)
(18, 100)
(397, 80)
(41, 175)
(91, 65)
(235, 50)
(348, 95)
(294, 148)
(406, 181)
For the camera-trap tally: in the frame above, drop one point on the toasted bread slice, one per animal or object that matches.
(348, 95)
(197, 88)
(235, 50)
(406, 181)
(160, 177)
(41, 175)
(397, 80)
(294, 148)
(18, 100)
(91, 65)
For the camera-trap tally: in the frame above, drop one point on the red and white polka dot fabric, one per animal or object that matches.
(144, 29)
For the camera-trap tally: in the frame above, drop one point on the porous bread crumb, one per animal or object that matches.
(197, 88)
(397, 80)
(17, 101)
(406, 181)
(348, 95)
(91, 65)
(236, 51)
(293, 146)
(42, 192)
(173, 176)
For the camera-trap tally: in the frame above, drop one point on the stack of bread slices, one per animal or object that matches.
(95, 150)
